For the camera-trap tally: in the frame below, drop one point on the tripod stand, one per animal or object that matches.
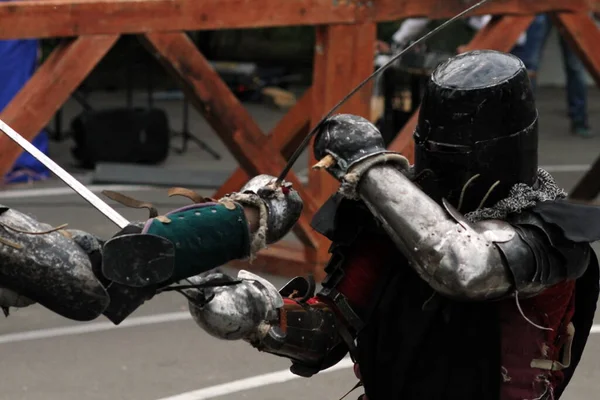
(185, 133)
(187, 136)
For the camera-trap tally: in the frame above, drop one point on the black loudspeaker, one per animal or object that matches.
(121, 135)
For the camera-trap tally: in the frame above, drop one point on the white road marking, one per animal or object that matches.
(201, 394)
(49, 333)
(252, 382)
(566, 168)
(93, 327)
(65, 191)
(257, 381)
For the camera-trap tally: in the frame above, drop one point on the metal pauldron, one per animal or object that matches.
(457, 258)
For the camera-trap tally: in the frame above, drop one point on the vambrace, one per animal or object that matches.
(252, 309)
(456, 258)
(485, 260)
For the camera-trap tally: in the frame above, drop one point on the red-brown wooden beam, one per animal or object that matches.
(583, 35)
(285, 137)
(52, 84)
(285, 258)
(227, 116)
(337, 70)
(500, 34)
(61, 18)
(335, 73)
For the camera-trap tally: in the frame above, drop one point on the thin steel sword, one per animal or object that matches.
(67, 178)
(308, 137)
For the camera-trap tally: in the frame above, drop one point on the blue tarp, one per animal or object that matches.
(18, 64)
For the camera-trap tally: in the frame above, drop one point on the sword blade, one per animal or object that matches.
(308, 137)
(67, 178)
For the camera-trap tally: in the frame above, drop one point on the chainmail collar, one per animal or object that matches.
(521, 197)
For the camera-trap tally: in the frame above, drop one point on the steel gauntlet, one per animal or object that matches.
(279, 206)
(282, 322)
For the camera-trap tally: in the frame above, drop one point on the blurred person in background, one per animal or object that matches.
(19, 61)
(529, 48)
(576, 90)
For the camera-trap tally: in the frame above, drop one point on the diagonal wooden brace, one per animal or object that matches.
(286, 136)
(582, 33)
(500, 34)
(226, 115)
(52, 84)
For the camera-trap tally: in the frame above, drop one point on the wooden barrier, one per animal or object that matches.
(346, 34)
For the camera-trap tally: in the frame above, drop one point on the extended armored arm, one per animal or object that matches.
(80, 277)
(470, 261)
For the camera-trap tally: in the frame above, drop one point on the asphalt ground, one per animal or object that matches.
(159, 353)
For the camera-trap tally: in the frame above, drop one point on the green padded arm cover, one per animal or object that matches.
(205, 236)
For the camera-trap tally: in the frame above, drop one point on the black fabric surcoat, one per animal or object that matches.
(417, 345)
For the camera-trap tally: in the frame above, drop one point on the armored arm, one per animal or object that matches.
(469, 261)
(315, 331)
(290, 322)
(208, 233)
(195, 239)
(80, 277)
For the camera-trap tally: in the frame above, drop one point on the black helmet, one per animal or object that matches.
(478, 124)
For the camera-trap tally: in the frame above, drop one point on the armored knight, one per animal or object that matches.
(81, 277)
(467, 275)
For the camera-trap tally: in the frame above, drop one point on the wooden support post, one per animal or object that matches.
(582, 33)
(500, 34)
(227, 116)
(52, 84)
(337, 70)
(588, 186)
(285, 137)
